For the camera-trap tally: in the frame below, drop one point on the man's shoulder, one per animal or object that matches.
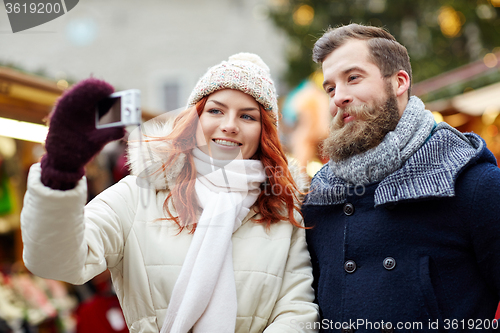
(450, 149)
(322, 175)
(325, 178)
(326, 188)
(432, 171)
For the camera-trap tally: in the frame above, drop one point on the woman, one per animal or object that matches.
(206, 237)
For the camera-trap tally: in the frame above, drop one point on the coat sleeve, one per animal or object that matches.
(68, 241)
(295, 311)
(484, 219)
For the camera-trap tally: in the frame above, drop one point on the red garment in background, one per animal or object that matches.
(101, 314)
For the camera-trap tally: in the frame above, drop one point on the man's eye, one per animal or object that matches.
(353, 77)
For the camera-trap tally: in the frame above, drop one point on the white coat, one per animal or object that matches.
(66, 240)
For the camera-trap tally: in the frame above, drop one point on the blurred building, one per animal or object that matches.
(159, 47)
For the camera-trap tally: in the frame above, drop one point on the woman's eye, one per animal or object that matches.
(329, 90)
(247, 117)
(214, 111)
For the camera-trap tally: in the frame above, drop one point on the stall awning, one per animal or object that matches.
(26, 97)
(30, 98)
(473, 103)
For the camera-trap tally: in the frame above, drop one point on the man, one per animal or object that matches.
(405, 216)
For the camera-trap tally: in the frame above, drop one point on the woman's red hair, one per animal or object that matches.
(279, 194)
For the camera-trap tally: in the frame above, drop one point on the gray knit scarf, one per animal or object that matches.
(375, 164)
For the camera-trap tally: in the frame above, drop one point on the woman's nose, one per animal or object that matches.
(229, 125)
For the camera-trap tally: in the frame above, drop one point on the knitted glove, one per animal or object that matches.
(73, 140)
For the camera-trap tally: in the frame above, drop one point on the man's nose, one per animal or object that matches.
(342, 97)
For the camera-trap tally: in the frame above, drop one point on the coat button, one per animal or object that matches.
(387, 329)
(350, 266)
(348, 330)
(389, 263)
(348, 209)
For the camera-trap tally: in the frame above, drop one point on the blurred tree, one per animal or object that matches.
(439, 34)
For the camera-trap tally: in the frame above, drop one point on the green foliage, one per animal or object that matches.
(415, 24)
(41, 72)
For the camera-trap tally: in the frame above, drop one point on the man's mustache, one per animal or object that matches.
(359, 112)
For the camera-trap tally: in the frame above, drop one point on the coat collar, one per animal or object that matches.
(430, 173)
(146, 155)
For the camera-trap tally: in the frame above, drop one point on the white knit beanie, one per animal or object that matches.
(243, 71)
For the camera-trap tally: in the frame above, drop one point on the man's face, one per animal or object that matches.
(362, 102)
(368, 128)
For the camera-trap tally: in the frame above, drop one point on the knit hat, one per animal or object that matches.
(243, 71)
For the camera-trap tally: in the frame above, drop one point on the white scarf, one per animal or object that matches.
(204, 296)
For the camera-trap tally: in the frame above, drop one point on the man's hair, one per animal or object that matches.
(385, 51)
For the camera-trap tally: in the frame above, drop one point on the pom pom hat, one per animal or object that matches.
(245, 72)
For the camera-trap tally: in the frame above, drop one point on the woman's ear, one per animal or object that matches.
(402, 82)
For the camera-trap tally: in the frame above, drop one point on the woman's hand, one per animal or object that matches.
(73, 139)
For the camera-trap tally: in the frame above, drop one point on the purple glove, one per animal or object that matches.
(73, 140)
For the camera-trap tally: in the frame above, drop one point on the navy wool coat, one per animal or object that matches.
(418, 251)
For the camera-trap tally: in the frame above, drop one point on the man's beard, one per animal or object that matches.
(366, 131)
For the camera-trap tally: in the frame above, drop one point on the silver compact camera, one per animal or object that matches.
(122, 108)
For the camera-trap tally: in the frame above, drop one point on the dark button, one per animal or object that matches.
(389, 263)
(348, 330)
(350, 266)
(387, 329)
(348, 209)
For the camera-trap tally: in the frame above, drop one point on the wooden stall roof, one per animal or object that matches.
(26, 97)
(462, 73)
(30, 98)
(473, 103)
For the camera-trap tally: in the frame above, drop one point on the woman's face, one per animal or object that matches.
(229, 126)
